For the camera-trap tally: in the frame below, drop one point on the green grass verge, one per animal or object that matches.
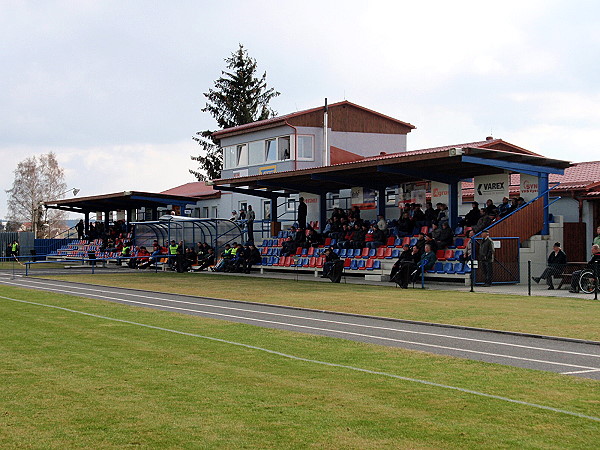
(567, 317)
(71, 381)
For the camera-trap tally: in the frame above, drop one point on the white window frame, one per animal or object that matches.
(312, 140)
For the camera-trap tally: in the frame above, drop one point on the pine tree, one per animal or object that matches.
(238, 97)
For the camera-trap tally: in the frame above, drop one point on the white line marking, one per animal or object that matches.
(580, 371)
(314, 361)
(306, 327)
(484, 341)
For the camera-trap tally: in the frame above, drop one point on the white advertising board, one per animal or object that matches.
(439, 193)
(529, 187)
(494, 187)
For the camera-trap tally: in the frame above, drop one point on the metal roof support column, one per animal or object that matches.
(543, 187)
(453, 201)
(381, 202)
(322, 211)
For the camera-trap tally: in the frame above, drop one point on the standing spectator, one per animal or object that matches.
(242, 215)
(382, 224)
(486, 257)
(80, 229)
(302, 212)
(14, 248)
(430, 214)
(250, 222)
(597, 238)
(556, 263)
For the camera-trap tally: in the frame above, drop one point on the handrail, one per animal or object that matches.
(516, 210)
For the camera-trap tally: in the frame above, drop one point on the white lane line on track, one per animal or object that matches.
(580, 371)
(349, 333)
(324, 363)
(422, 333)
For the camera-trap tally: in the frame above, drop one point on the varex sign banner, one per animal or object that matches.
(494, 187)
(529, 187)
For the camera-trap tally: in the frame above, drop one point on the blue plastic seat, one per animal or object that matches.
(437, 268)
(377, 264)
(449, 268)
(354, 264)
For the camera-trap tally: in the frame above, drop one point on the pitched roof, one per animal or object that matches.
(197, 189)
(281, 120)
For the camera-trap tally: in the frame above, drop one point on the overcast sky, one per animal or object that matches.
(115, 88)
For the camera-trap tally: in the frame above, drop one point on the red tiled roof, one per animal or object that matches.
(283, 118)
(194, 189)
(580, 176)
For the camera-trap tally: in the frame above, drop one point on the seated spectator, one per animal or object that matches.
(374, 237)
(593, 264)
(431, 242)
(206, 260)
(445, 236)
(251, 257)
(467, 255)
(405, 225)
(504, 207)
(490, 208)
(313, 239)
(514, 205)
(442, 214)
(147, 262)
(226, 256)
(484, 221)
(410, 271)
(190, 258)
(556, 263)
(333, 266)
(405, 256)
(418, 216)
(345, 237)
(382, 225)
(421, 241)
(473, 215)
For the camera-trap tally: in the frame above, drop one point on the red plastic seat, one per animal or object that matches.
(391, 241)
(381, 252)
(347, 263)
(365, 252)
(369, 265)
(320, 261)
(312, 262)
(387, 253)
(440, 255)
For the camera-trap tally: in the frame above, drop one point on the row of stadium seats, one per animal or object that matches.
(317, 262)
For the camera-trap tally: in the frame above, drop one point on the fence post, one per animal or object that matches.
(596, 273)
(529, 278)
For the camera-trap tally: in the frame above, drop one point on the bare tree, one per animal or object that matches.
(37, 179)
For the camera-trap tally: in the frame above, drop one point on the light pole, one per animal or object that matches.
(39, 212)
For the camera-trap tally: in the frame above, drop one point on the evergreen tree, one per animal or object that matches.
(238, 97)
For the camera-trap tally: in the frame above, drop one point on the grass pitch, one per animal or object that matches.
(567, 317)
(72, 381)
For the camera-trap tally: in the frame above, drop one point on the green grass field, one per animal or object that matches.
(70, 381)
(567, 317)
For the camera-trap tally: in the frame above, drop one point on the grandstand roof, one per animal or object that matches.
(198, 190)
(127, 200)
(392, 169)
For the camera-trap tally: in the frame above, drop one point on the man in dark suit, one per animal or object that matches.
(556, 263)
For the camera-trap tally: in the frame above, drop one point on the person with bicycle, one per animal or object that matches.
(592, 264)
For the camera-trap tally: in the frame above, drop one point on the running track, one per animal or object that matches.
(570, 357)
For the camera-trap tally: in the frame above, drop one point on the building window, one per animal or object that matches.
(227, 161)
(305, 148)
(290, 204)
(390, 197)
(256, 152)
(241, 155)
(271, 150)
(283, 144)
(205, 212)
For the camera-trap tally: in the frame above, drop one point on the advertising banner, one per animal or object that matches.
(312, 206)
(364, 198)
(529, 187)
(494, 187)
(439, 193)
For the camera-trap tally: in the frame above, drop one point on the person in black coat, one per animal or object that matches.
(333, 266)
(302, 212)
(556, 263)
